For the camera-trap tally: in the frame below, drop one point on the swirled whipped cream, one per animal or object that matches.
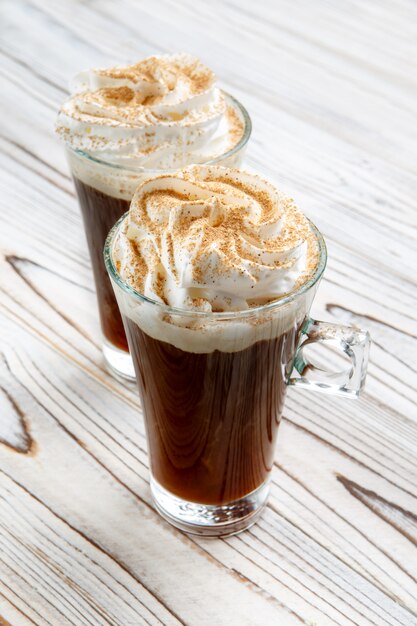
(209, 238)
(164, 112)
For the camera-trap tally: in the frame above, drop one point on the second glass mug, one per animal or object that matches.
(104, 191)
(213, 386)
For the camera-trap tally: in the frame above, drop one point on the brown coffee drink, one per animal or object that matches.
(202, 267)
(212, 418)
(100, 211)
(123, 125)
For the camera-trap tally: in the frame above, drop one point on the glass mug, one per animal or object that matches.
(104, 192)
(213, 386)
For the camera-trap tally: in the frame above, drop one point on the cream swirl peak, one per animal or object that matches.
(210, 238)
(164, 112)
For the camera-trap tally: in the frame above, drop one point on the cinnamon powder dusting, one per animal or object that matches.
(175, 97)
(218, 226)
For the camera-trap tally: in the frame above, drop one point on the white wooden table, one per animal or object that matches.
(331, 87)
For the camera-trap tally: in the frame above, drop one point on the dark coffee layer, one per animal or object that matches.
(100, 212)
(211, 419)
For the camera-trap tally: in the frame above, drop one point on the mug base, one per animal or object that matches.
(210, 520)
(118, 362)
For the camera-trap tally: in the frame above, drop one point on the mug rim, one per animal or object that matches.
(213, 315)
(157, 171)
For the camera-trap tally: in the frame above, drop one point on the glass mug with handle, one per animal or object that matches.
(124, 125)
(213, 386)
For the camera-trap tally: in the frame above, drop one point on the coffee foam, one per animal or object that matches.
(113, 181)
(205, 334)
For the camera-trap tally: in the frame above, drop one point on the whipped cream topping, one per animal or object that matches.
(209, 238)
(164, 112)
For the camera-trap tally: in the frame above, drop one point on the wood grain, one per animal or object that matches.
(331, 88)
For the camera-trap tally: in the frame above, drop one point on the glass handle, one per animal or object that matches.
(350, 341)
